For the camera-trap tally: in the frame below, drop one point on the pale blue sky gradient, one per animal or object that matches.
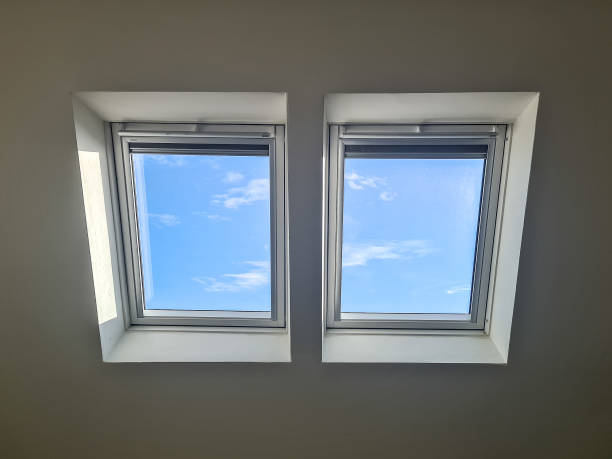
(204, 231)
(409, 234)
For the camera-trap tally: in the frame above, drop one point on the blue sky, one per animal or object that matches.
(409, 234)
(204, 231)
(408, 244)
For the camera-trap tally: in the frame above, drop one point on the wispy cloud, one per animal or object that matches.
(212, 162)
(168, 160)
(212, 217)
(259, 264)
(359, 182)
(255, 190)
(256, 277)
(164, 219)
(233, 177)
(387, 195)
(458, 289)
(361, 254)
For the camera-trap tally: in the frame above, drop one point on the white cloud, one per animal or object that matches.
(233, 177)
(361, 254)
(259, 264)
(458, 289)
(255, 190)
(168, 160)
(387, 195)
(256, 277)
(164, 219)
(234, 282)
(359, 182)
(213, 217)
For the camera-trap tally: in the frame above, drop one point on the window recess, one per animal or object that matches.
(410, 224)
(203, 220)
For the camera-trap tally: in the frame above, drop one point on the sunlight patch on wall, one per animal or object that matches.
(98, 234)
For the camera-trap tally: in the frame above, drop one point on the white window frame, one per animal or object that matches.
(491, 345)
(429, 141)
(201, 139)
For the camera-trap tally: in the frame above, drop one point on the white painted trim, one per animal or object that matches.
(464, 107)
(511, 225)
(409, 348)
(155, 345)
(119, 342)
(197, 107)
(93, 162)
(516, 109)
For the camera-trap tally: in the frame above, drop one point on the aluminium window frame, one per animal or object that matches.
(398, 137)
(234, 139)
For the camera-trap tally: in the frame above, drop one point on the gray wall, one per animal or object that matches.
(57, 399)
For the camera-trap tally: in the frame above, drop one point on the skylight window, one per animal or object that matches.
(409, 234)
(204, 225)
(410, 228)
(204, 231)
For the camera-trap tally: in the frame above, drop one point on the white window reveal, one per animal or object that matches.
(187, 221)
(424, 198)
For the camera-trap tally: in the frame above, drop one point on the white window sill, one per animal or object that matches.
(144, 344)
(359, 347)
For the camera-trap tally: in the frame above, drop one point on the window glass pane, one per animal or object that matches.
(409, 234)
(204, 228)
